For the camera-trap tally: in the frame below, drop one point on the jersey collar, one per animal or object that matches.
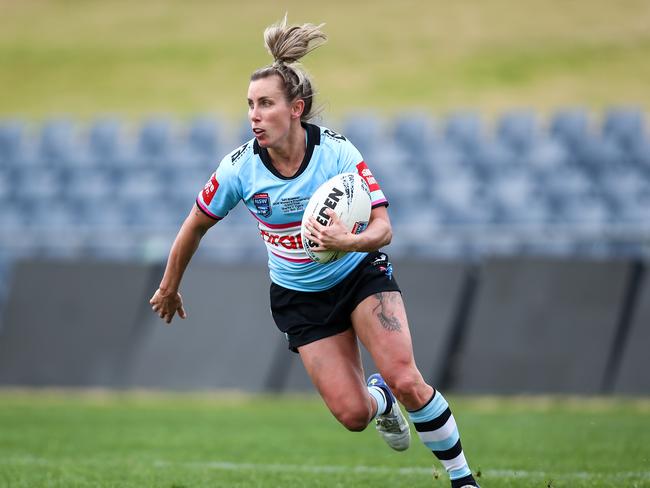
(313, 140)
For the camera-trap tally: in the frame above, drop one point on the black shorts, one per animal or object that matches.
(307, 316)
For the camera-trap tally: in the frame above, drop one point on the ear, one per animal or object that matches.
(297, 108)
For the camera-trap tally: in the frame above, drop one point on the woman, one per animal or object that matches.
(322, 308)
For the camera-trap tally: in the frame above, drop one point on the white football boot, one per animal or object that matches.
(392, 426)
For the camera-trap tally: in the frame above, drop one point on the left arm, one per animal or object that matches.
(336, 237)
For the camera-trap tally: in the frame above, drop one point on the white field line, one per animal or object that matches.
(340, 469)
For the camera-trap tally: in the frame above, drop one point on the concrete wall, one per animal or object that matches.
(506, 326)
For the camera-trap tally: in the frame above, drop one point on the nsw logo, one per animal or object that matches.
(262, 203)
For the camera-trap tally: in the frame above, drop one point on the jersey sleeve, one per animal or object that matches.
(221, 193)
(351, 161)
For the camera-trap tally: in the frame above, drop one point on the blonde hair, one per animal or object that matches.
(287, 45)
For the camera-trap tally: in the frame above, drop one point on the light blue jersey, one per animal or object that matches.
(277, 203)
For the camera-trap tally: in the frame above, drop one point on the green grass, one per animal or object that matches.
(75, 439)
(81, 57)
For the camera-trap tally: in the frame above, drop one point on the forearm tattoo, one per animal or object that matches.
(386, 318)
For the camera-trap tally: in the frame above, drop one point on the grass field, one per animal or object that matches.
(81, 57)
(100, 439)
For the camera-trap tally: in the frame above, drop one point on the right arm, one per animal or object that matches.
(167, 300)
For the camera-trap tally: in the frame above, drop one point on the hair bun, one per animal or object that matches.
(288, 44)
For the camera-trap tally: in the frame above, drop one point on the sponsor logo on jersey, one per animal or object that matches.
(287, 241)
(334, 135)
(237, 154)
(210, 189)
(262, 203)
(366, 174)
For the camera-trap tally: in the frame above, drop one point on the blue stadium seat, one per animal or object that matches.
(14, 216)
(108, 215)
(58, 144)
(413, 132)
(493, 157)
(202, 137)
(640, 158)
(570, 127)
(11, 141)
(587, 210)
(33, 183)
(55, 215)
(184, 185)
(517, 130)
(443, 159)
(155, 139)
(464, 130)
(545, 155)
(566, 181)
(514, 189)
(365, 132)
(86, 184)
(597, 155)
(243, 132)
(104, 140)
(624, 126)
(140, 184)
(7, 184)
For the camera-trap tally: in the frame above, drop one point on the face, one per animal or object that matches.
(269, 112)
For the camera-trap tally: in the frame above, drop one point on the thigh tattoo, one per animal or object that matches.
(387, 319)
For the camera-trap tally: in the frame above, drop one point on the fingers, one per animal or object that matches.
(167, 307)
(181, 312)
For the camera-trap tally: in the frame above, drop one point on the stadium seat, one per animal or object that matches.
(34, 183)
(413, 132)
(464, 130)
(365, 131)
(138, 185)
(202, 138)
(11, 140)
(13, 216)
(58, 143)
(493, 157)
(569, 127)
(546, 154)
(624, 126)
(93, 183)
(155, 139)
(517, 130)
(596, 155)
(104, 140)
(445, 159)
(55, 215)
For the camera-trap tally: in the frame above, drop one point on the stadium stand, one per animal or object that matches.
(458, 186)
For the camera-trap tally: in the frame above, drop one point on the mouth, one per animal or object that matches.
(257, 131)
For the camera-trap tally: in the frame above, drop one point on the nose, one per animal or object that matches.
(253, 114)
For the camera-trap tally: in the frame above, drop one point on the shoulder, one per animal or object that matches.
(339, 145)
(238, 157)
(331, 137)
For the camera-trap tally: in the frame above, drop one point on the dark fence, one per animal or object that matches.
(511, 325)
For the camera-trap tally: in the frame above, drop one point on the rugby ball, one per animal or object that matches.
(348, 196)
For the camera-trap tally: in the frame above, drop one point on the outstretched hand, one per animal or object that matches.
(333, 237)
(166, 304)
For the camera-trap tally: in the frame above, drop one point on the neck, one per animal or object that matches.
(288, 155)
